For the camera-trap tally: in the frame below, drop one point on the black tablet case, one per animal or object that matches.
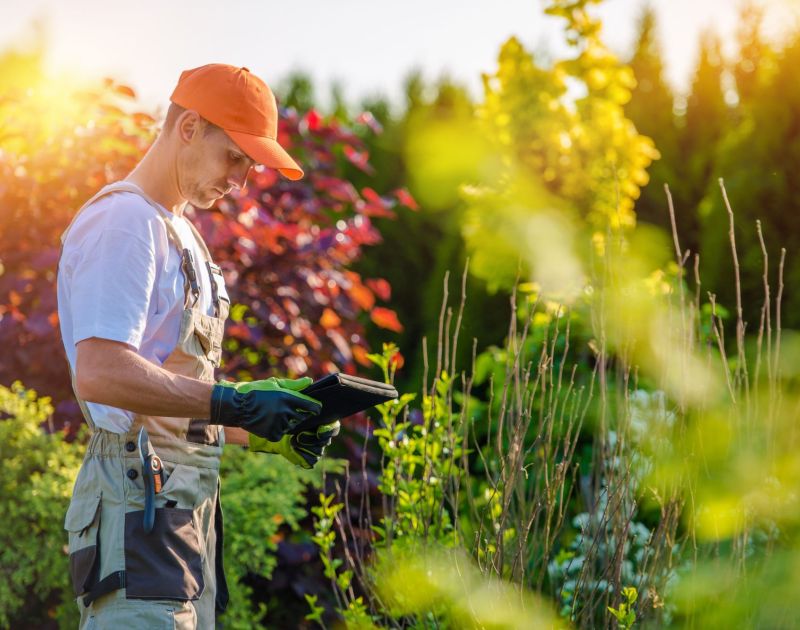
(343, 395)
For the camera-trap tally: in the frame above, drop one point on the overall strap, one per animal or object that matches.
(191, 288)
(200, 241)
(211, 269)
(123, 186)
(188, 264)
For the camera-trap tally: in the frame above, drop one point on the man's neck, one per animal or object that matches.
(157, 177)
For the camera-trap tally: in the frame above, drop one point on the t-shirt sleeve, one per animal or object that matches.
(112, 287)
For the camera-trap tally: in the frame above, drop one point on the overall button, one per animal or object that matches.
(132, 474)
(130, 447)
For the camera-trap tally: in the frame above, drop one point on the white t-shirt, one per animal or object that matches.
(120, 278)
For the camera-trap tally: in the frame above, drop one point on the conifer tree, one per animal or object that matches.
(706, 120)
(651, 110)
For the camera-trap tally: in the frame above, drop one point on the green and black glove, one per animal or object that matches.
(268, 409)
(303, 449)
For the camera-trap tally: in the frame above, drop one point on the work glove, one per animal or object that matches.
(268, 409)
(303, 449)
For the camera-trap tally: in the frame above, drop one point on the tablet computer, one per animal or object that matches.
(343, 395)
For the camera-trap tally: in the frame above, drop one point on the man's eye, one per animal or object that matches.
(235, 157)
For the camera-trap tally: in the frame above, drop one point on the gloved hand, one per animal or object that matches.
(268, 408)
(303, 449)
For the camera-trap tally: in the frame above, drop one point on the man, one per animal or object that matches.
(142, 309)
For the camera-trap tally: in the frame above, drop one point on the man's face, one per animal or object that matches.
(212, 165)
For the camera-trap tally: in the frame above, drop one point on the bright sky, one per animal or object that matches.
(369, 46)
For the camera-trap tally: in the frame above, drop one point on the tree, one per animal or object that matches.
(755, 55)
(553, 146)
(433, 237)
(651, 110)
(706, 120)
(758, 159)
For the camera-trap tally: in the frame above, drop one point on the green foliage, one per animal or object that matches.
(39, 469)
(624, 614)
(354, 611)
(402, 157)
(263, 499)
(547, 145)
(420, 460)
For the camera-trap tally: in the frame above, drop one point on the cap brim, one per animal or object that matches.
(267, 152)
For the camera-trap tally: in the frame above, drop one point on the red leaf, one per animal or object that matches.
(371, 195)
(359, 158)
(397, 360)
(329, 319)
(386, 318)
(375, 206)
(362, 296)
(124, 90)
(360, 355)
(404, 197)
(142, 119)
(313, 120)
(366, 118)
(374, 210)
(380, 287)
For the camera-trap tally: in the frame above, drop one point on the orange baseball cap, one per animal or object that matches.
(243, 106)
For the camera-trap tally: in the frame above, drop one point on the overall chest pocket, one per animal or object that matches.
(209, 340)
(83, 527)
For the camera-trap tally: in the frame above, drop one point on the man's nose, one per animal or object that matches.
(238, 177)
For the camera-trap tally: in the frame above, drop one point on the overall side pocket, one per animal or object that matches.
(83, 527)
(167, 563)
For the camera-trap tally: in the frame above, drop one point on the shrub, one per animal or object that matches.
(264, 501)
(39, 469)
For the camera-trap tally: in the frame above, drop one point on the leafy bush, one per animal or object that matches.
(39, 469)
(264, 501)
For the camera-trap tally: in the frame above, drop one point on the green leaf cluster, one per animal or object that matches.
(264, 500)
(565, 144)
(39, 469)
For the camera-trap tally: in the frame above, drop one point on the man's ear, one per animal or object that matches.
(188, 125)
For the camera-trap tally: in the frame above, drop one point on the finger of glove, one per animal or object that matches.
(328, 431)
(297, 458)
(309, 439)
(262, 445)
(286, 403)
(298, 400)
(271, 414)
(302, 456)
(300, 396)
(309, 452)
(277, 385)
(295, 384)
(301, 402)
(262, 413)
(293, 413)
(265, 385)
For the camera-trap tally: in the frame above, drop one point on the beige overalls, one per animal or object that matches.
(171, 577)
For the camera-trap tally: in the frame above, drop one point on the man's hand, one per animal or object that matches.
(303, 449)
(268, 409)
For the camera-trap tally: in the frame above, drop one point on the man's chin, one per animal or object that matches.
(204, 203)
